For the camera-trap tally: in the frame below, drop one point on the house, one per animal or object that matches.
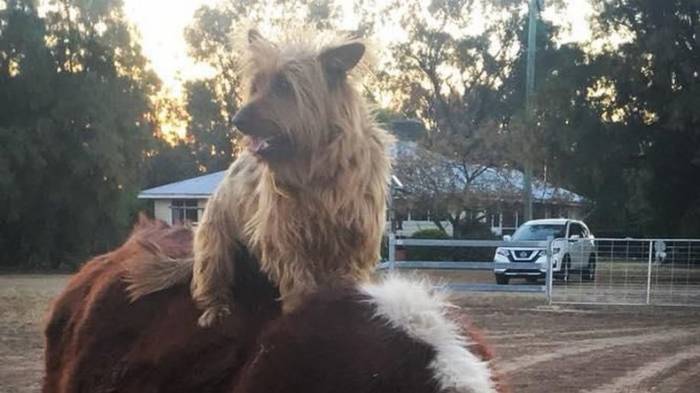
(497, 191)
(185, 201)
(494, 194)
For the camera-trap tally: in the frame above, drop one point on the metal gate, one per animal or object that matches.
(625, 271)
(482, 265)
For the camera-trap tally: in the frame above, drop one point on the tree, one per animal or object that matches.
(74, 124)
(657, 93)
(627, 134)
(465, 87)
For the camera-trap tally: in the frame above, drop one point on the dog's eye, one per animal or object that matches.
(281, 85)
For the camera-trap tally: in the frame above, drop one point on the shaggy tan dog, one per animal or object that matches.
(308, 196)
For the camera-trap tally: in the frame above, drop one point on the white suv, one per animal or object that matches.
(573, 251)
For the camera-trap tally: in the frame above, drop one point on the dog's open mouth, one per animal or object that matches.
(258, 144)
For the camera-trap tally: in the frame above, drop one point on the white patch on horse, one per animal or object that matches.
(412, 306)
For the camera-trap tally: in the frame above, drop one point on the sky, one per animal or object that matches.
(161, 24)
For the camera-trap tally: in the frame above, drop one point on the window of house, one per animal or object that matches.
(400, 217)
(538, 211)
(556, 212)
(184, 210)
(509, 219)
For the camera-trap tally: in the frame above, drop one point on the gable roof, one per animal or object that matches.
(195, 188)
(492, 182)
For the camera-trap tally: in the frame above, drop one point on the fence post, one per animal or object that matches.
(548, 281)
(392, 250)
(651, 243)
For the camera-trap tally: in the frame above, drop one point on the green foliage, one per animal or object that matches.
(431, 233)
(210, 136)
(170, 163)
(73, 129)
(618, 125)
(428, 253)
(634, 148)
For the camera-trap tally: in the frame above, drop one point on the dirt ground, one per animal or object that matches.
(540, 348)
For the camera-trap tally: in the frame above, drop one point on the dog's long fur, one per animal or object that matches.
(313, 214)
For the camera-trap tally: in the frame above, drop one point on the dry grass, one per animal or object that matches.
(570, 350)
(24, 300)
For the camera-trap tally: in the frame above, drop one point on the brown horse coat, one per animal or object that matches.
(98, 341)
(394, 336)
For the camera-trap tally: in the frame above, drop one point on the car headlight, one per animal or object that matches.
(555, 250)
(502, 252)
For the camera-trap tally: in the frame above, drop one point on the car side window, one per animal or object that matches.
(576, 229)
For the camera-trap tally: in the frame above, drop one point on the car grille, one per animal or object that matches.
(523, 255)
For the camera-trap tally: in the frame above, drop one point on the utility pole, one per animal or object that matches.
(533, 10)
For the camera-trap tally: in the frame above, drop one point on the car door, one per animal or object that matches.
(576, 238)
(588, 244)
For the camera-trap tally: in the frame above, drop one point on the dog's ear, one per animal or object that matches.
(341, 59)
(254, 37)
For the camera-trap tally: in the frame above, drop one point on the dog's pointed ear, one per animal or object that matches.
(342, 58)
(254, 37)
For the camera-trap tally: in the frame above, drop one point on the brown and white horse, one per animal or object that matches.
(392, 336)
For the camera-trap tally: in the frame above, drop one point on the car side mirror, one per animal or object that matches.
(574, 237)
(506, 238)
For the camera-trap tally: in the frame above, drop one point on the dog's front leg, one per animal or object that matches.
(214, 250)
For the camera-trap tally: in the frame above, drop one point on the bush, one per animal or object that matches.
(432, 233)
(476, 232)
(428, 253)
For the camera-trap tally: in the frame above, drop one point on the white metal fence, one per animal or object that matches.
(581, 271)
(627, 271)
(483, 264)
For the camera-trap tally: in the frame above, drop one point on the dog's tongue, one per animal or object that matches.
(256, 144)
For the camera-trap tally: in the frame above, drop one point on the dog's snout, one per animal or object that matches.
(242, 119)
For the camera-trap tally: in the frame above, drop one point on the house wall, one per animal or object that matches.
(161, 210)
(503, 221)
(202, 203)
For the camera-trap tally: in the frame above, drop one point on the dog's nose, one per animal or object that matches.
(242, 119)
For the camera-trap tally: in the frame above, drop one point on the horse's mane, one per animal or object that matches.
(168, 258)
(158, 237)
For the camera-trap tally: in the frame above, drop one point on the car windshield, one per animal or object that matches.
(539, 231)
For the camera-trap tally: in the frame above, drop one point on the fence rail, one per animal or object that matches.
(468, 243)
(393, 263)
(582, 271)
(631, 272)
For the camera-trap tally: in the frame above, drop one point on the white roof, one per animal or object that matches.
(494, 182)
(200, 187)
(491, 182)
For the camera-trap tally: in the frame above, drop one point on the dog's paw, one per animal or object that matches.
(213, 316)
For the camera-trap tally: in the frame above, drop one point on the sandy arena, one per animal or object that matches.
(632, 349)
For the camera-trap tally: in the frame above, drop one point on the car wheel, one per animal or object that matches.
(589, 272)
(502, 279)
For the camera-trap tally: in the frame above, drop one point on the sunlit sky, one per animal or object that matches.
(161, 24)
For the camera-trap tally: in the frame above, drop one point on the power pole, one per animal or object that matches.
(533, 11)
